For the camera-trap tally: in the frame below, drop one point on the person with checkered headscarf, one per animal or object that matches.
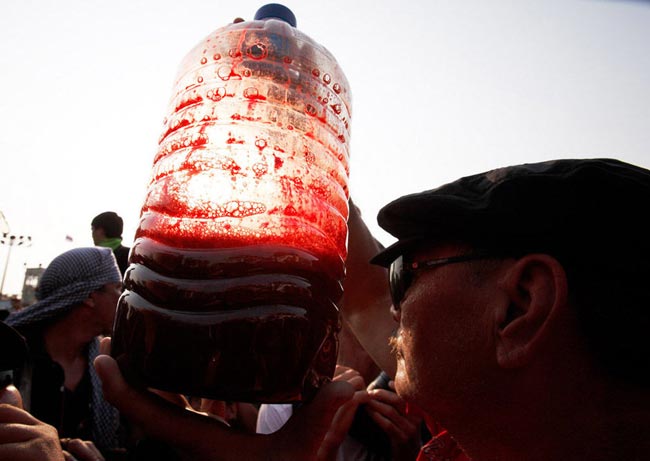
(77, 296)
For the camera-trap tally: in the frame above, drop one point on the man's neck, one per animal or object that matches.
(602, 424)
(111, 243)
(65, 341)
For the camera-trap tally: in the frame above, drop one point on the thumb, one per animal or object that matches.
(194, 436)
(155, 415)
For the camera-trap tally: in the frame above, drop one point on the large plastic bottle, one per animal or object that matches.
(238, 260)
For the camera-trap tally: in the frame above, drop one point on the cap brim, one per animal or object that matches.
(394, 251)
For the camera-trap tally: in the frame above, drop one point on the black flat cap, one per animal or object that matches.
(577, 205)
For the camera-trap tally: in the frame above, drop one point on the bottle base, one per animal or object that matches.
(263, 354)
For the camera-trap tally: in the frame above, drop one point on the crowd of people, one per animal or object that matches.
(508, 322)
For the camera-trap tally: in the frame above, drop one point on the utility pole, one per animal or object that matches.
(11, 241)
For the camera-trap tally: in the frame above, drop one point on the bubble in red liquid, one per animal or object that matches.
(216, 56)
(310, 110)
(216, 94)
(327, 78)
(226, 73)
(260, 143)
(199, 79)
(257, 51)
(278, 162)
(337, 88)
(336, 108)
(188, 100)
(204, 60)
(238, 209)
(251, 93)
(315, 72)
(260, 169)
(319, 187)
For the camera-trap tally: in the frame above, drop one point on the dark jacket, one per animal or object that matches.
(122, 256)
(41, 384)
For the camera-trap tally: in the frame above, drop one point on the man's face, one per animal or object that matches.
(98, 235)
(444, 344)
(106, 303)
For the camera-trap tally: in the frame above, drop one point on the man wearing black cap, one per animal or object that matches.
(523, 310)
(523, 315)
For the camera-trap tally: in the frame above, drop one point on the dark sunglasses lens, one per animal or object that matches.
(395, 277)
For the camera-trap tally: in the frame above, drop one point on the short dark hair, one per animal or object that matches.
(609, 293)
(613, 307)
(110, 222)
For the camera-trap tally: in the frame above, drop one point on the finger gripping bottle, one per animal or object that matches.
(237, 265)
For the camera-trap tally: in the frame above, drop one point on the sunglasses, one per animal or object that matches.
(400, 275)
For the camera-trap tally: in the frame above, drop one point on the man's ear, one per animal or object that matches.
(90, 300)
(536, 288)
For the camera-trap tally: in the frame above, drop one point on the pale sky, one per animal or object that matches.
(441, 89)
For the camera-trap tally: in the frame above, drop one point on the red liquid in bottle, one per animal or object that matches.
(238, 260)
(244, 324)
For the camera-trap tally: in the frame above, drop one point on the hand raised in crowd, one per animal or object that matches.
(403, 427)
(197, 437)
(80, 450)
(25, 438)
(366, 300)
(345, 415)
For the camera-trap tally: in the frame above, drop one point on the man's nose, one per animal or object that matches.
(396, 313)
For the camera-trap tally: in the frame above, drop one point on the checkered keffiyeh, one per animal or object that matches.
(106, 418)
(69, 279)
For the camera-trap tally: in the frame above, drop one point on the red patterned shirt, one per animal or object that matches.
(442, 448)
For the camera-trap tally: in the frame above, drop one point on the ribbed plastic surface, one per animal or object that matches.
(238, 260)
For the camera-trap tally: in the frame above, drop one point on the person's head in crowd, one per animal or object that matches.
(77, 296)
(107, 230)
(106, 226)
(523, 307)
(82, 282)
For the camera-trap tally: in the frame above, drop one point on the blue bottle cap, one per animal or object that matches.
(276, 11)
